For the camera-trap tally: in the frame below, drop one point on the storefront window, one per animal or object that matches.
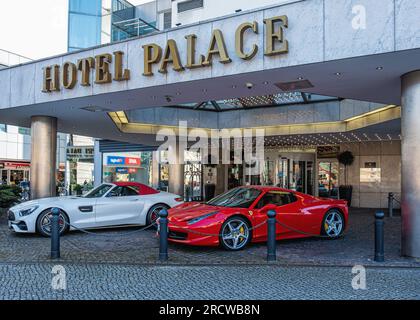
(127, 167)
(193, 175)
(328, 179)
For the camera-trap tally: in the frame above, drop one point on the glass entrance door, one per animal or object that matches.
(295, 172)
(328, 179)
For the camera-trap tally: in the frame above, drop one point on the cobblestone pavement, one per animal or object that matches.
(95, 281)
(116, 246)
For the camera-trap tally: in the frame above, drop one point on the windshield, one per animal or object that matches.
(99, 191)
(238, 198)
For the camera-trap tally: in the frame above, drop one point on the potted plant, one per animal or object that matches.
(78, 189)
(9, 195)
(345, 191)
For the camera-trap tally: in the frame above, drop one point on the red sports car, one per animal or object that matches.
(237, 217)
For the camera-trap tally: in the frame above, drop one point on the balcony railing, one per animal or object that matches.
(8, 59)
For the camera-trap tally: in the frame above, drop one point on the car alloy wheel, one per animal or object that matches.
(333, 225)
(45, 220)
(235, 234)
(153, 213)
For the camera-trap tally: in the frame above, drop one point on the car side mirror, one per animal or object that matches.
(269, 207)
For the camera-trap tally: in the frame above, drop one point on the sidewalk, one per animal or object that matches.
(122, 246)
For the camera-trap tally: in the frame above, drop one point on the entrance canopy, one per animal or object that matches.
(327, 48)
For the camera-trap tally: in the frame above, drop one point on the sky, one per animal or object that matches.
(36, 28)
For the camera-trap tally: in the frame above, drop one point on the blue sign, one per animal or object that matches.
(121, 170)
(114, 160)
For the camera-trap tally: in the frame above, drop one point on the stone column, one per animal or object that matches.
(43, 156)
(410, 155)
(97, 164)
(176, 172)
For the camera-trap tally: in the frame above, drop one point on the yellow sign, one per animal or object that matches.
(69, 74)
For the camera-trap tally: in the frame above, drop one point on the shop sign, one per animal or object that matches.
(67, 75)
(126, 161)
(80, 152)
(370, 175)
(121, 170)
(114, 160)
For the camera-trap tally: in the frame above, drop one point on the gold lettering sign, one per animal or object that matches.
(100, 66)
(119, 74)
(102, 74)
(171, 55)
(239, 40)
(191, 62)
(217, 46)
(272, 36)
(69, 75)
(51, 78)
(152, 54)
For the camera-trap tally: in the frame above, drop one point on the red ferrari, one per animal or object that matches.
(237, 217)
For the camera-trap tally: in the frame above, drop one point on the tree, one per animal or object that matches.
(346, 158)
(9, 195)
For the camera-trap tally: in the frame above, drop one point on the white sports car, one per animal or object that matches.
(109, 205)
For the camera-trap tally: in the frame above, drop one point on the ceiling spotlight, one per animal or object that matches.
(168, 98)
(300, 78)
(338, 74)
(379, 68)
(249, 85)
(178, 93)
(234, 86)
(265, 82)
(204, 90)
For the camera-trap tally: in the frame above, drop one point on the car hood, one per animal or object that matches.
(42, 201)
(190, 210)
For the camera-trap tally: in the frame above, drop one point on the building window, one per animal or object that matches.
(3, 127)
(127, 167)
(84, 24)
(189, 5)
(167, 20)
(24, 131)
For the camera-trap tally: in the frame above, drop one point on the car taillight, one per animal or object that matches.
(179, 199)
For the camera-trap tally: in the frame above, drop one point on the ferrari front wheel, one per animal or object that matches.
(333, 224)
(235, 234)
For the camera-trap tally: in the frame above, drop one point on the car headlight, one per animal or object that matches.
(27, 211)
(198, 219)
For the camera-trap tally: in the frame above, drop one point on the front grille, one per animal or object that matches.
(11, 215)
(177, 235)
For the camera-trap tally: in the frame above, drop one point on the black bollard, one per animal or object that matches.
(379, 237)
(163, 235)
(271, 235)
(390, 204)
(55, 233)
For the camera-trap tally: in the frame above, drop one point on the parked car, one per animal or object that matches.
(228, 220)
(108, 205)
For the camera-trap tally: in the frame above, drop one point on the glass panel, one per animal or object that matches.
(193, 175)
(283, 173)
(235, 176)
(84, 31)
(328, 179)
(298, 182)
(127, 167)
(268, 175)
(92, 7)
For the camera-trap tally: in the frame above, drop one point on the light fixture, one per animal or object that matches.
(379, 68)
(265, 82)
(338, 74)
(300, 78)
